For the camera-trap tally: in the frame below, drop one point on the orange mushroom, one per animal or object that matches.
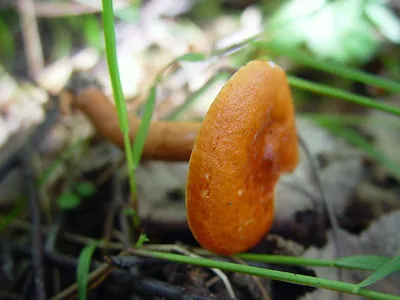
(172, 141)
(247, 139)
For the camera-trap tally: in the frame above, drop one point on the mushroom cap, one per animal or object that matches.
(247, 139)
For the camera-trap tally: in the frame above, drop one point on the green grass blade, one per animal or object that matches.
(144, 126)
(82, 271)
(333, 92)
(192, 56)
(333, 68)
(110, 43)
(351, 119)
(15, 212)
(7, 42)
(364, 262)
(287, 260)
(267, 273)
(390, 267)
(178, 111)
(91, 31)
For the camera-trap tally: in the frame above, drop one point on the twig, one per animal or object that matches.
(44, 197)
(150, 287)
(183, 250)
(76, 238)
(33, 141)
(30, 33)
(327, 205)
(72, 289)
(133, 283)
(116, 205)
(37, 259)
(256, 279)
(51, 238)
(56, 10)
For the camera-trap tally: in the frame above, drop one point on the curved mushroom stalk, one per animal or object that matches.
(247, 139)
(170, 141)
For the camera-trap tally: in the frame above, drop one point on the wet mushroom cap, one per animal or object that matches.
(247, 139)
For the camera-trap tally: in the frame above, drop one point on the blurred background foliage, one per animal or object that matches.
(351, 32)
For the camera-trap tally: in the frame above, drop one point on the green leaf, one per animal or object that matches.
(142, 239)
(390, 267)
(341, 33)
(288, 25)
(92, 30)
(333, 30)
(144, 127)
(129, 211)
(68, 201)
(367, 262)
(14, 213)
(132, 213)
(128, 14)
(386, 20)
(82, 272)
(85, 189)
(7, 41)
(193, 56)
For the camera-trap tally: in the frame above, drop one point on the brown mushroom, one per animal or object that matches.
(171, 141)
(246, 140)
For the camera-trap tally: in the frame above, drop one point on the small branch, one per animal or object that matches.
(101, 271)
(132, 283)
(37, 259)
(31, 37)
(327, 205)
(218, 272)
(57, 9)
(256, 279)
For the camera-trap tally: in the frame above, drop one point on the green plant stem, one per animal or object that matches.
(333, 68)
(333, 92)
(360, 262)
(109, 36)
(272, 274)
(302, 261)
(177, 112)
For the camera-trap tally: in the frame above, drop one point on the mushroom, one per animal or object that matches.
(170, 141)
(247, 139)
(236, 155)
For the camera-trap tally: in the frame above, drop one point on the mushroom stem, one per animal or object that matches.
(169, 141)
